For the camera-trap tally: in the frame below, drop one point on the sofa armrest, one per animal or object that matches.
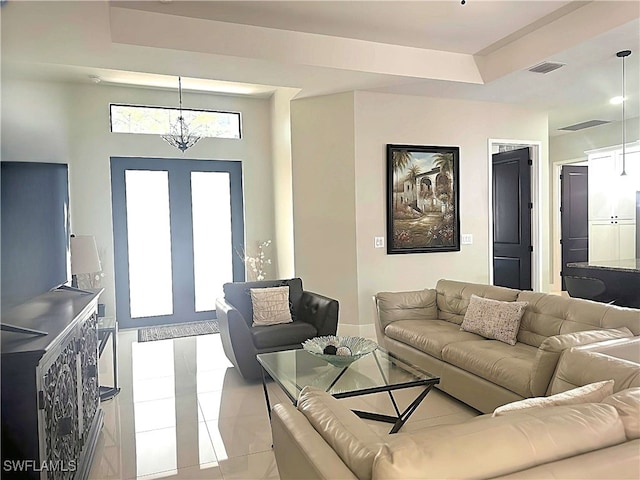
(300, 451)
(549, 353)
(237, 341)
(320, 311)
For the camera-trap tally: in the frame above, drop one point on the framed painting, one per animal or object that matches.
(423, 199)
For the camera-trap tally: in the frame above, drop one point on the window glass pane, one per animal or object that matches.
(149, 241)
(158, 121)
(212, 248)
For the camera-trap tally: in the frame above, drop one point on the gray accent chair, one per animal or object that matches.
(313, 315)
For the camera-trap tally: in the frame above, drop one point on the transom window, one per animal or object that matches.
(158, 120)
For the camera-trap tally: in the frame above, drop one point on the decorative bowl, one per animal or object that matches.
(359, 348)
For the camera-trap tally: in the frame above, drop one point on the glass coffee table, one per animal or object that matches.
(376, 372)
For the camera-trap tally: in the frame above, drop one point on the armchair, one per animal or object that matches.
(313, 315)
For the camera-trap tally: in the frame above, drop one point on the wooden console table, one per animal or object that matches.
(51, 414)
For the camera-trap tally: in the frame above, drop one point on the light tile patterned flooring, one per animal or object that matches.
(184, 413)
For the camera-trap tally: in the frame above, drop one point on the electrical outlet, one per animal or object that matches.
(378, 242)
(467, 239)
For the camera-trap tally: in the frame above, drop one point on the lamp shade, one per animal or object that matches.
(84, 255)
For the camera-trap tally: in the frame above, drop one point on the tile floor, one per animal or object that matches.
(184, 413)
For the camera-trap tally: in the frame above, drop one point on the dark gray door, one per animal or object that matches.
(574, 217)
(177, 225)
(512, 219)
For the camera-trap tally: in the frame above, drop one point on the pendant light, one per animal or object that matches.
(623, 54)
(179, 135)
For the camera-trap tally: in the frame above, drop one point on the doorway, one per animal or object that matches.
(176, 224)
(512, 218)
(574, 217)
(535, 244)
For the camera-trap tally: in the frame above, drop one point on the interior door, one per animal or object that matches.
(574, 216)
(511, 180)
(177, 226)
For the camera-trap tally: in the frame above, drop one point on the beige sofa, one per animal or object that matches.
(423, 327)
(322, 439)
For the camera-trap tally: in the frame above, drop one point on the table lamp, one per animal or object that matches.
(84, 257)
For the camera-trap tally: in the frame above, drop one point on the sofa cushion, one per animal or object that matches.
(284, 334)
(627, 403)
(454, 297)
(592, 393)
(351, 438)
(493, 318)
(488, 447)
(505, 365)
(415, 305)
(429, 336)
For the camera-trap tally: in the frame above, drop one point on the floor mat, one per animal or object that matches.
(177, 330)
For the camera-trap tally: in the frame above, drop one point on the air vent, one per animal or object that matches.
(583, 125)
(546, 67)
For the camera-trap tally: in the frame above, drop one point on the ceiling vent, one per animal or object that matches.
(546, 67)
(583, 125)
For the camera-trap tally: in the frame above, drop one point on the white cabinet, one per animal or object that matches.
(612, 240)
(612, 204)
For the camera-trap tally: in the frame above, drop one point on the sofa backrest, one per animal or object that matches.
(547, 315)
(453, 297)
(487, 447)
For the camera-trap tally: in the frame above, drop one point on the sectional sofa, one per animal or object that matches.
(322, 439)
(424, 327)
(560, 344)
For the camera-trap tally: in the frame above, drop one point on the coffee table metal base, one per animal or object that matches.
(398, 421)
(401, 417)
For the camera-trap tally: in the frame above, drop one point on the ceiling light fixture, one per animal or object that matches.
(179, 135)
(623, 54)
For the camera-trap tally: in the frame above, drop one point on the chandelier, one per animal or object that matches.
(623, 54)
(179, 135)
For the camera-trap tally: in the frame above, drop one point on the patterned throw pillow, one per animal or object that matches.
(493, 318)
(270, 306)
(592, 393)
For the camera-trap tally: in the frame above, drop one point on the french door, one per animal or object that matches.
(177, 225)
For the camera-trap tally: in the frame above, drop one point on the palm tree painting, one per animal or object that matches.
(422, 199)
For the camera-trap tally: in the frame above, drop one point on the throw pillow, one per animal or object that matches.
(493, 318)
(592, 393)
(270, 306)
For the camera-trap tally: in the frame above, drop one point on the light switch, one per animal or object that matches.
(467, 238)
(378, 242)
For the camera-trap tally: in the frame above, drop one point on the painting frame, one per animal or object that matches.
(423, 199)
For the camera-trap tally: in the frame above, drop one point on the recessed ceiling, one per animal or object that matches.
(478, 51)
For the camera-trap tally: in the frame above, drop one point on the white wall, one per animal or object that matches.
(340, 194)
(322, 148)
(383, 119)
(282, 171)
(89, 144)
(34, 121)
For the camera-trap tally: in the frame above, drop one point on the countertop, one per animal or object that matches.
(630, 265)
